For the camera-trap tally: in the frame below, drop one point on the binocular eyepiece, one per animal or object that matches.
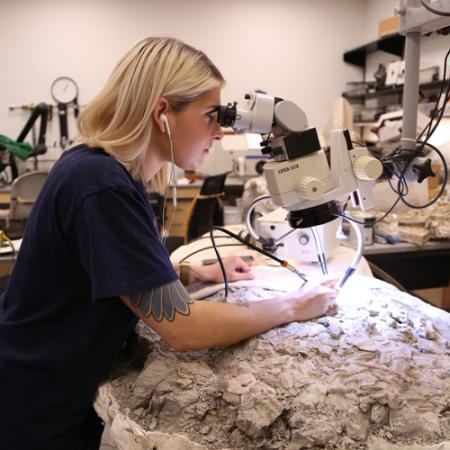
(226, 115)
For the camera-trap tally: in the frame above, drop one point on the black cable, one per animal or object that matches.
(248, 244)
(444, 182)
(203, 237)
(208, 248)
(433, 10)
(402, 185)
(282, 262)
(439, 114)
(440, 111)
(222, 267)
(435, 109)
(344, 216)
(406, 157)
(402, 182)
(253, 247)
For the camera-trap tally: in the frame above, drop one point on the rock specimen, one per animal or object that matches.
(374, 376)
(418, 226)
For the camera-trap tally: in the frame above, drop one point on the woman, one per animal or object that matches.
(92, 263)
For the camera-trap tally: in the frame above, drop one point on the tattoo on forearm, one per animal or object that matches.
(164, 301)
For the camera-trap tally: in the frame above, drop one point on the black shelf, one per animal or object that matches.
(393, 43)
(391, 90)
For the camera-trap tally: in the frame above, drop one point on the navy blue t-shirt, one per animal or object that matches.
(89, 239)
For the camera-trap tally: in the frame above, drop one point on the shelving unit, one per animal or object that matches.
(375, 101)
(391, 90)
(434, 284)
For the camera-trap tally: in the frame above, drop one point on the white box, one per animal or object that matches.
(428, 74)
(392, 73)
(400, 72)
(300, 243)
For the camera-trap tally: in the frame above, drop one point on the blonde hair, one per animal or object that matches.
(119, 119)
(159, 182)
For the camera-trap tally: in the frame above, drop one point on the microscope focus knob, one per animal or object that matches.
(367, 168)
(310, 188)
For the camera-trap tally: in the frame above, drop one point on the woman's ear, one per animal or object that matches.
(161, 109)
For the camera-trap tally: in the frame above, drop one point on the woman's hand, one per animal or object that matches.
(235, 268)
(314, 299)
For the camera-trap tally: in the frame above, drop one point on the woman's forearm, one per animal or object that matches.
(202, 324)
(214, 324)
(196, 273)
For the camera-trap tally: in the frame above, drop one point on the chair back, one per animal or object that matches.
(205, 207)
(24, 192)
(156, 201)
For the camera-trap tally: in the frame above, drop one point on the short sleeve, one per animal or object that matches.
(118, 246)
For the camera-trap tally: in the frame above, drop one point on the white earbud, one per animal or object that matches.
(165, 120)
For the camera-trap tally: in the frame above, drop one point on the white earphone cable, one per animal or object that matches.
(172, 181)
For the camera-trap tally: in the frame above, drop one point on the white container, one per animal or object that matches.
(368, 218)
(232, 215)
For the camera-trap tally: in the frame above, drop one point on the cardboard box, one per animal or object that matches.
(428, 74)
(433, 182)
(389, 26)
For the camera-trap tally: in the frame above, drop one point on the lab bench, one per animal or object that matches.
(416, 268)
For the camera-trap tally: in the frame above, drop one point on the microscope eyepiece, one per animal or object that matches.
(227, 114)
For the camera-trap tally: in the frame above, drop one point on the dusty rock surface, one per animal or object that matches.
(374, 376)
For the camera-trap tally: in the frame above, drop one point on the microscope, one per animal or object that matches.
(300, 176)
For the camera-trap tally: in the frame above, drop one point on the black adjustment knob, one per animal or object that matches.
(259, 167)
(423, 170)
(277, 151)
(264, 143)
(247, 96)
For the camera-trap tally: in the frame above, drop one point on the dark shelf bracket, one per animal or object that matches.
(393, 43)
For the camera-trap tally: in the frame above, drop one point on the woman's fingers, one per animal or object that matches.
(242, 276)
(332, 309)
(330, 282)
(238, 269)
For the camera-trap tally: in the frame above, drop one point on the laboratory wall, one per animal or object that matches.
(291, 48)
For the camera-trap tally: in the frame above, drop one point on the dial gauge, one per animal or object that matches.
(64, 90)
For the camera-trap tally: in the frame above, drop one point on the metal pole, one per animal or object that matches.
(411, 90)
